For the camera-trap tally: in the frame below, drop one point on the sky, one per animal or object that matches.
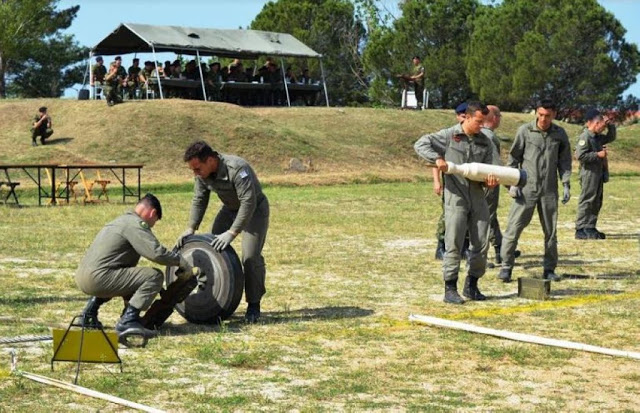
(97, 18)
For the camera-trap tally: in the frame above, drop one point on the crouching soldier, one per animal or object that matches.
(109, 267)
(42, 125)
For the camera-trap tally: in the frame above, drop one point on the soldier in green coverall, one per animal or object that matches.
(542, 149)
(109, 268)
(591, 152)
(464, 202)
(245, 209)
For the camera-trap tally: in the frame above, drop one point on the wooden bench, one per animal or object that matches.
(11, 191)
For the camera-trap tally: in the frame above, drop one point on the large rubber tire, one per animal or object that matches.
(217, 297)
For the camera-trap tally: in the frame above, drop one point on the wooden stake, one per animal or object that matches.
(87, 392)
(527, 338)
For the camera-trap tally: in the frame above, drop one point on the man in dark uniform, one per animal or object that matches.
(115, 80)
(591, 152)
(542, 149)
(133, 78)
(464, 202)
(42, 125)
(244, 209)
(98, 72)
(108, 269)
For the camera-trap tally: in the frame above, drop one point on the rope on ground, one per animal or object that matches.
(23, 339)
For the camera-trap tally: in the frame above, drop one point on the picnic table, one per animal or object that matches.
(34, 172)
(66, 176)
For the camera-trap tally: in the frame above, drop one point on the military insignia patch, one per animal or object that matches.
(144, 225)
(582, 142)
(243, 174)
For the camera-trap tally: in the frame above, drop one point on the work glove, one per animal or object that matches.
(183, 236)
(566, 195)
(515, 192)
(186, 272)
(222, 241)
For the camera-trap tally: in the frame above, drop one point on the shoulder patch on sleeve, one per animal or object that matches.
(243, 173)
(144, 225)
(582, 142)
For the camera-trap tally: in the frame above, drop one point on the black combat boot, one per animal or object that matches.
(505, 275)
(581, 234)
(90, 312)
(471, 290)
(440, 250)
(451, 295)
(253, 313)
(551, 276)
(593, 233)
(130, 323)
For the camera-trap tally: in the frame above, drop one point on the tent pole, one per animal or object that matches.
(204, 92)
(155, 63)
(324, 82)
(90, 70)
(286, 88)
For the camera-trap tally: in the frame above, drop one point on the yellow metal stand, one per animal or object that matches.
(81, 345)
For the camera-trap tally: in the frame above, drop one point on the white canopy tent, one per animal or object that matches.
(247, 44)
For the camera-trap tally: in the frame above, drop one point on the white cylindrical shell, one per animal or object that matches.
(479, 172)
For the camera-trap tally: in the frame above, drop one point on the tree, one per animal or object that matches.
(573, 51)
(438, 32)
(47, 73)
(26, 25)
(330, 28)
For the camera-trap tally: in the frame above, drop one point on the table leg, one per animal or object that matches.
(53, 186)
(124, 185)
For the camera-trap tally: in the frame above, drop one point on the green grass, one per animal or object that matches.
(345, 145)
(346, 265)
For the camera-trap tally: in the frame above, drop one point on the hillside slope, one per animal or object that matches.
(344, 144)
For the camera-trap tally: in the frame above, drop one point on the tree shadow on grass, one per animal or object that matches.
(236, 322)
(58, 141)
(614, 276)
(623, 236)
(568, 292)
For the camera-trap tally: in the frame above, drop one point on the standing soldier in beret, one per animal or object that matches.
(465, 208)
(245, 209)
(591, 152)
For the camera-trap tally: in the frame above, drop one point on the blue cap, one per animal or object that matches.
(462, 108)
(592, 114)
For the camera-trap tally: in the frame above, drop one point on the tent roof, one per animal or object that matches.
(138, 38)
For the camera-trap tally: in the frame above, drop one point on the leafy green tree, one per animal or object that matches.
(25, 26)
(47, 73)
(330, 28)
(573, 51)
(437, 31)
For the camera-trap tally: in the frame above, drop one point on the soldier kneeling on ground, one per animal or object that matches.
(109, 270)
(41, 127)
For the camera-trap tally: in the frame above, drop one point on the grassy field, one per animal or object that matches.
(346, 264)
(345, 145)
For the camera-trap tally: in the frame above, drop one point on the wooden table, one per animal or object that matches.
(78, 169)
(36, 178)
